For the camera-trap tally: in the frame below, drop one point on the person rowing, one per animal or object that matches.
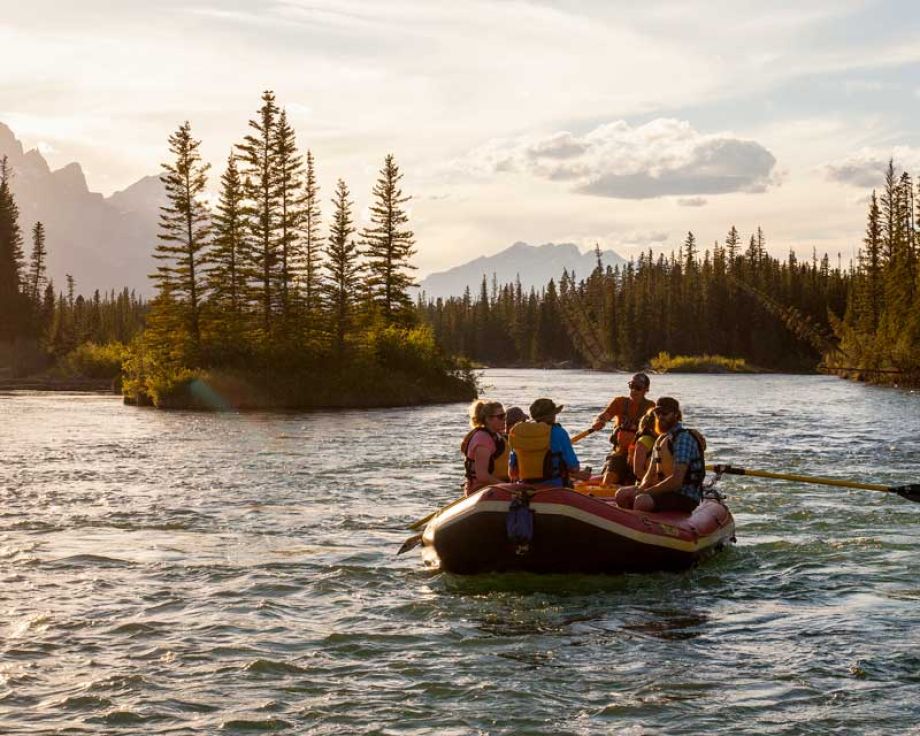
(625, 412)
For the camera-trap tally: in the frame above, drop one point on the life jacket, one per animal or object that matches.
(498, 460)
(663, 458)
(536, 462)
(624, 432)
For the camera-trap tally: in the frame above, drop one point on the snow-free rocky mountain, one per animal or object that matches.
(534, 265)
(103, 242)
(107, 242)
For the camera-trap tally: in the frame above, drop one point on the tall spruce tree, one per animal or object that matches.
(38, 265)
(184, 230)
(289, 193)
(343, 268)
(258, 154)
(12, 318)
(388, 247)
(231, 251)
(312, 244)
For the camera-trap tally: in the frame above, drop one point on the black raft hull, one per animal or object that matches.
(572, 533)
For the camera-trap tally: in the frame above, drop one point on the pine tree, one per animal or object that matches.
(289, 193)
(342, 267)
(257, 152)
(38, 267)
(873, 263)
(184, 231)
(312, 250)
(11, 259)
(231, 249)
(388, 247)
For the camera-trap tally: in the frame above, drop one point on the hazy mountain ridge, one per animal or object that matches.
(103, 242)
(535, 265)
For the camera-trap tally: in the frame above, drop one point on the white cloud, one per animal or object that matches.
(866, 167)
(692, 201)
(662, 157)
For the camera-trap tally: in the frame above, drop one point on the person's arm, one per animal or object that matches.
(640, 455)
(672, 483)
(563, 445)
(683, 445)
(605, 416)
(513, 473)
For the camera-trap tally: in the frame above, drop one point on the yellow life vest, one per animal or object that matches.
(531, 444)
(498, 460)
(663, 456)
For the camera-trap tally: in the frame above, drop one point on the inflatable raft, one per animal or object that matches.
(514, 527)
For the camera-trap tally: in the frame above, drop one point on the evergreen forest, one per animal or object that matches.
(268, 298)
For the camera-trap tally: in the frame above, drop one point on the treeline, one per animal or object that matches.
(734, 299)
(880, 333)
(39, 324)
(263, 286)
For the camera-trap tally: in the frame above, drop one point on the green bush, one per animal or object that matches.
(90, 360)
(666, 363)
(408, 350)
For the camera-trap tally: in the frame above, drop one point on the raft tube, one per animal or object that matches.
(571, 533)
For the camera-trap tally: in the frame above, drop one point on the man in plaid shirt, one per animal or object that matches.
(675, 475)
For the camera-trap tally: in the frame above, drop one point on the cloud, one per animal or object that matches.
(692, 201)
(662, 157)
(866, 167)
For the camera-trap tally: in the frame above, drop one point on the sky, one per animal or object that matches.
(619, 123)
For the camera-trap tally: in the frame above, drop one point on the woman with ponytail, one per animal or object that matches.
(485, 452)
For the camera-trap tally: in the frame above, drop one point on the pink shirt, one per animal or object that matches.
(480, 439)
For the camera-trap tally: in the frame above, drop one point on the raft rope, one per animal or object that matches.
(709, 488)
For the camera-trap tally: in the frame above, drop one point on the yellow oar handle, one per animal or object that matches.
(581, 435)
(732, 470)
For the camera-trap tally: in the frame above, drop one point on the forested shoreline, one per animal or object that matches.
(264, 301)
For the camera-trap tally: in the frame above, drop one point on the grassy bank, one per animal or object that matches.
(667, 363)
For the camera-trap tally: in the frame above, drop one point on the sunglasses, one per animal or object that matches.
(636, 386)
(661, 412)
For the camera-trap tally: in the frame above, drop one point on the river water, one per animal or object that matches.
(189, 573)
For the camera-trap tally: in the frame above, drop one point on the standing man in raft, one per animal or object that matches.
(625, 411)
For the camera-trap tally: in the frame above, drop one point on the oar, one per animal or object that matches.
(420, 523)
(581, 435)
(911, 492)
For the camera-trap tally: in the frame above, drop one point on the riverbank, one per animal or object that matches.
(45, 383)
(240, 391)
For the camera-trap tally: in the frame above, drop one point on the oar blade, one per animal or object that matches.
(910, 492)
(411, 543)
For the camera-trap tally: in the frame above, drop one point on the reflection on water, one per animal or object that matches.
(185, 573)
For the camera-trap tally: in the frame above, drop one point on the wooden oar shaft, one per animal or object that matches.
(731, 470)
(581, 435)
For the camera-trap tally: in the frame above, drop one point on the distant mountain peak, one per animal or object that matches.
(103, 243)
(534, 265)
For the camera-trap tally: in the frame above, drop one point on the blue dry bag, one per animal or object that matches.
(519, 522)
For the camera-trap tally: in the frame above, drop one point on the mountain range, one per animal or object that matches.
(103, 242)
(533, 265)
(107, 242)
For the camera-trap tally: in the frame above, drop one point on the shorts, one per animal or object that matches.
(618, 464)
(674, 502)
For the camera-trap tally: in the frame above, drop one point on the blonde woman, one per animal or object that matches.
(485, 452)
